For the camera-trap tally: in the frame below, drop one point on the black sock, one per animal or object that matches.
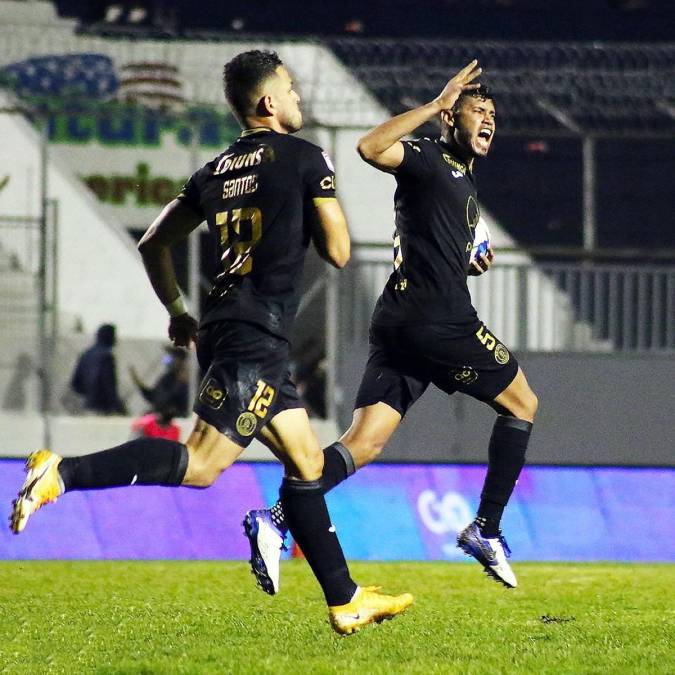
(338, 465)
(142, 461)
(308, 520)
(508, 445)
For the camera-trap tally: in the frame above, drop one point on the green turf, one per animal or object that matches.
(206, 617)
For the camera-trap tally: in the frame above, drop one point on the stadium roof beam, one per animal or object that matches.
(667, 108)
(560, 116)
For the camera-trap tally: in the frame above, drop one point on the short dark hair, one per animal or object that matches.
(243, 74)
(483, 93)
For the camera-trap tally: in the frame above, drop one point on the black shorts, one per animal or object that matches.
(246, 378)
(404, 360)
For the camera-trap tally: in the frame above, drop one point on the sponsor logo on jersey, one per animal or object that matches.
(212, 393)
(328, 183)
(458, 166)
(457, 174)
(465, 375)
(233, 161)
(502, 355)
(246, 423)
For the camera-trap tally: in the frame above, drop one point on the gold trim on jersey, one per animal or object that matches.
(254, 130)
(322, 200)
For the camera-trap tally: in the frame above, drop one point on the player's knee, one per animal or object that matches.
(526, 406)
(311, 466)
(203, 476)
(202, 472)
(533, 404)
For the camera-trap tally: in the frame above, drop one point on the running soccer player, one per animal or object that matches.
(424, 328)
(264, 198)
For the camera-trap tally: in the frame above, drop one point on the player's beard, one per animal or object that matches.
(467, 142)
(292, 121)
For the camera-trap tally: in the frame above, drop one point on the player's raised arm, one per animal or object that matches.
(173, 224)
(382, 146)
(330, 233)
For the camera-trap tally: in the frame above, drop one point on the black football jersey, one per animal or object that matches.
(257, 198)
(436, 214)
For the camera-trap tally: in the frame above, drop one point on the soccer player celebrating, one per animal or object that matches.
(264, 198)
(424, 328)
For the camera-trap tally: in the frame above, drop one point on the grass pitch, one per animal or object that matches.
(207, 617)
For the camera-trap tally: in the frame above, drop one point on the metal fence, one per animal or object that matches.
(28, 329)
(545, 306)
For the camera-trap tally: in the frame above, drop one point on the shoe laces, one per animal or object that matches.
(505, 546)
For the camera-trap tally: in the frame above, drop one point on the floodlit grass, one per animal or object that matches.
(207, 617)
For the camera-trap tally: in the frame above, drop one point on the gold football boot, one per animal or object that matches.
(42, 486)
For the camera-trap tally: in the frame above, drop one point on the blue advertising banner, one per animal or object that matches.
(383, 512)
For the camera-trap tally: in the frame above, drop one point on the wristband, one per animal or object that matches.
(176, 307)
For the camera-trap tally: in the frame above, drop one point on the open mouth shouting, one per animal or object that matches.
(484, 138)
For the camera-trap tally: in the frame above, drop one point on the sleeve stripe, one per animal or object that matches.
(322, 200)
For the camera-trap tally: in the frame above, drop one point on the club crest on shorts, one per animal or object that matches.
(465, 375)
(212, 393)
(502, 355)
(246, 423)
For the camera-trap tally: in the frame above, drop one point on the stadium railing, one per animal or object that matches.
(544, 305)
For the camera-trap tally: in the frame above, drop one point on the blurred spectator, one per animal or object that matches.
(156, 425)
(95, 375)
(169, 395)
(15, 397)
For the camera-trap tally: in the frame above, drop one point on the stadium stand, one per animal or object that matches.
(603, 89)
(550, 96)
(90, 76)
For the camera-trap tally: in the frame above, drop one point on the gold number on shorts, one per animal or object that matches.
(488, 340)
(262, 399)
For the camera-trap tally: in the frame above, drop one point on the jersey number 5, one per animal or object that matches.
(240, 231)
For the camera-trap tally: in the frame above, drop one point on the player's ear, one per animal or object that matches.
(265, 107)
(448, 117)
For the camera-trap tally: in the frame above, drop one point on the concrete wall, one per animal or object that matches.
(20, 434)
(594, 409)
(100, 275)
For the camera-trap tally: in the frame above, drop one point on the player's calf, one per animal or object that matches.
(266, 529)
